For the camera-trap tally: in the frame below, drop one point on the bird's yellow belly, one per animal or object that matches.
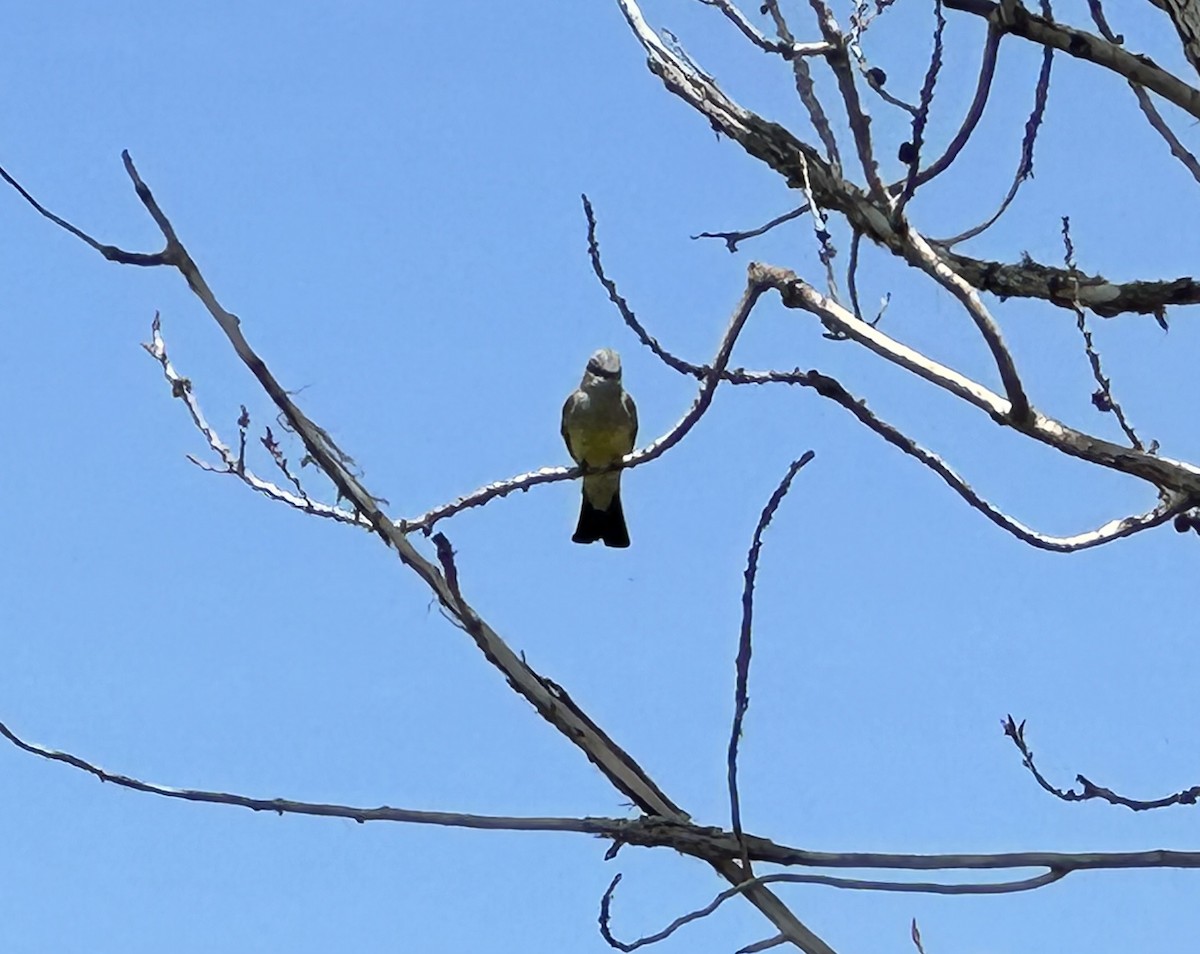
(599, 446)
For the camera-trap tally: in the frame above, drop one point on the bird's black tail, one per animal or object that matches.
(607, 525)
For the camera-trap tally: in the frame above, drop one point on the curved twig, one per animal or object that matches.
(741, 694)
(1089, 790)
(1025, 166)
(854, 884)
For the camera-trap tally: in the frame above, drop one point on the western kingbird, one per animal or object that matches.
(599, 424)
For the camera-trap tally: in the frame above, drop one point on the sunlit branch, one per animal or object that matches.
(805, 88)
(780, 150)
(1014, 18)
(859, 121)
(788, 49)
(235, 464)
(1164, 473)
(1145, 103)
(1170, 505)
(647, 832)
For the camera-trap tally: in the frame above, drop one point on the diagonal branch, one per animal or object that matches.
(1185, 14)
(1164, 473)
(806, 89)
(235, 464)
(549, 699)
(1146, 104)
(1014, 18)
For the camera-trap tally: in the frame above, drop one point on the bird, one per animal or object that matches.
(599, 425)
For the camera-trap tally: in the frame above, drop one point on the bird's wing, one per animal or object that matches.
(565, 434)
(631, 410)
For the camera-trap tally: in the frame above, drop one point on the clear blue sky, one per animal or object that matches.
(388, 196)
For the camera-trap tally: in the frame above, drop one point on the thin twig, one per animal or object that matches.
(921, 118)
(1153, 116)
(745, 647)
(288, 806)
(732, 239)
(983, 87)
(1025, 166)
(805, 88)
(856, 115)
(1169, 506)
(827, 251)
(1090, 790)
(788, 49)
(235, 464)
(852, 274)
(1103, 398)
(856, 884)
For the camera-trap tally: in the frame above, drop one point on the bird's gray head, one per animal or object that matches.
(604, 365)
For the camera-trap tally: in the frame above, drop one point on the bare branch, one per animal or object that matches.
(697, 841)
(827, 252)
(1164, 473)
(764, 945)
(915, 934)
(550, 700)
(1014, 18)
(110, 252)
(911, 887)
(805, 88)
(856, 115)
(1103, 398)
(1170, 506)
(1030, 279)
(710, 377)
(1090, 790)
(733, 238)
(1185, 14)
(852, 274)
(922, 254)
(745, 646)
(788, 49)
(1157, 123)
(921, 116)
(235, 465)
(781, 150)
(983, 87)
(1025, 166)
(285, 806)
